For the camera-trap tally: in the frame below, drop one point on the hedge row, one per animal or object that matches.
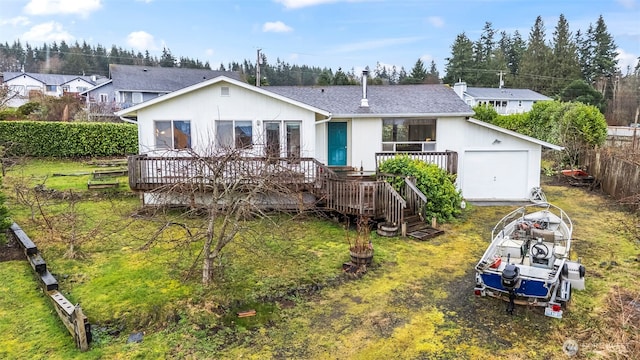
(64, 139)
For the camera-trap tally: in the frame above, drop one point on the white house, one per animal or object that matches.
(342, 126)
(26, 84)
(505, 101)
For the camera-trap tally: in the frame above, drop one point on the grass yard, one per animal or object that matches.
(416, 302)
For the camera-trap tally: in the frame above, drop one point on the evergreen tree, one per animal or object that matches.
(167, 60)
(433, 76)
(564, 63)
(514, 55)
(418, 74)
(535, 65)
(461, 61)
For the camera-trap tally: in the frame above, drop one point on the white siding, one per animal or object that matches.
(206, 105)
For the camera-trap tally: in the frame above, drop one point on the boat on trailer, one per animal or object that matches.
(527, 262)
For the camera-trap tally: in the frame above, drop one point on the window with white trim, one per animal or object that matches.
(173, 134)
(104, 97)
(404, 135)
(136, 97)
(234, 134)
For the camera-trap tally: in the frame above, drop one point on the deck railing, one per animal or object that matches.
(372, 198)
(447, 160)
(149, 173)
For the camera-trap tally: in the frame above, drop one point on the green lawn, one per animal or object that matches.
(416, 301)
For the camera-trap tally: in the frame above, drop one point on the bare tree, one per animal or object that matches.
(6, 95)
(230, 190)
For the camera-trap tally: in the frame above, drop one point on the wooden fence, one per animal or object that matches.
(618, 177)
(72, 316)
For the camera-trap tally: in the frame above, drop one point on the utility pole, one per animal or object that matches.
(501, 81)
(258, 69)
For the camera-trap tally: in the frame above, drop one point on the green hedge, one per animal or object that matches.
(64, 139)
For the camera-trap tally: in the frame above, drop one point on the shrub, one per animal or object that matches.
(443, 199)
(28, 108)
(63, 139)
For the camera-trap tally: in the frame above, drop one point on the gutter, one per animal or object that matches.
(324, 120)
(128, 120)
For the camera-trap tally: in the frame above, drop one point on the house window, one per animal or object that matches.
(66, 88)
(224, 91)
(81, 89)
(404, 135)
(136, 97)
(234, 134)
(104, 98)
(173, 134)
(52, 88)
(282, 138)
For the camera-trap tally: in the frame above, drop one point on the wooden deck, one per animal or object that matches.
(366, 196)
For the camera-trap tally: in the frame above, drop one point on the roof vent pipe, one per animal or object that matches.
(364, 102)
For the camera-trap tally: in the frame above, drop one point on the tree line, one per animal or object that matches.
(558, 68)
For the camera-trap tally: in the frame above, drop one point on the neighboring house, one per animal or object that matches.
(27, 85)
(504, 101)
(341, 126)
(131, 84)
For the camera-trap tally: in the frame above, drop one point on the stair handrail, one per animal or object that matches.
(394, 204)
(416, 200)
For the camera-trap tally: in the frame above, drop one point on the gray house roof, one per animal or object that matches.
(389, 100)
(160, 79)
(344, 101)
(48, 79)
(504, 94)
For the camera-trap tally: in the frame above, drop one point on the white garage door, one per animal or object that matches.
(495, 175)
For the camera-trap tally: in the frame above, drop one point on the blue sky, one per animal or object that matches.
(326, 33)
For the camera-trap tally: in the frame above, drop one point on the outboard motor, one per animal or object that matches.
(510, 277)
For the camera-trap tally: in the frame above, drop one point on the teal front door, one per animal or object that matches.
(337, 144)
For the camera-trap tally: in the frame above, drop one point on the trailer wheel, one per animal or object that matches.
(582, 271)
(565, 271)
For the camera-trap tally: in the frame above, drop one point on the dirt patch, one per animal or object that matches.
(11, 251)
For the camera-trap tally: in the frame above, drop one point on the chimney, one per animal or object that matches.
(460, 88)
(364, 102)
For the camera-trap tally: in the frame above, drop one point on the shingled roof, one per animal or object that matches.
(504, 94)
(390, 100)
(160, 79)
(48, 79)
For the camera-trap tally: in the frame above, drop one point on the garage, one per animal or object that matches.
(493, 175)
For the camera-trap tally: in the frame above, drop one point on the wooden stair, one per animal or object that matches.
(418, 229)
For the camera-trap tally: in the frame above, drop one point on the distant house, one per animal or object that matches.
(26, 85)
(129, 85)
(337, 126)
(505, 101)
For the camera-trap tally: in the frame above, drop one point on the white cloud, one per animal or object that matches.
(209, 52)
(297, 4)
(50, 7)
(47, 32)
(141, 40)
(374, 44)
(626, 60)
(435, 21)
(145, 1)
(16, 21)
(276, 26)
(627, 4)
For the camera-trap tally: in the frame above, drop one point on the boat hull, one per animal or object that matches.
(528, 288)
